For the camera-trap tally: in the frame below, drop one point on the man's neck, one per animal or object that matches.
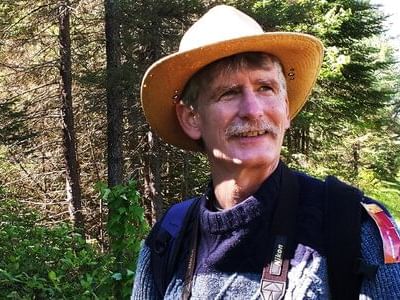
(231, 188)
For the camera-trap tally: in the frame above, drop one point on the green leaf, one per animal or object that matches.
(116, 276)
(52, 276)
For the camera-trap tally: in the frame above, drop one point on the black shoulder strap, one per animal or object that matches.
(166, 239)
(283, 228)
(343, 241)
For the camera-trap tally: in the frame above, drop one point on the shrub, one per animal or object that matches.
(40, 262)
(126, 228)
(54, 262)
(387, 192)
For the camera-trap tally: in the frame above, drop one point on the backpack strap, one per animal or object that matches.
(283, 231)
(387, 230)
(343, 238)
(165, 241)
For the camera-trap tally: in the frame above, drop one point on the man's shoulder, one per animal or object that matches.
(311, 188)
(173, 218)
(385, 284)
(330, 186)
(308, 181)
(381, 231)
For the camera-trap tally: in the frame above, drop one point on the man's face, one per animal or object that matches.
(242, 117)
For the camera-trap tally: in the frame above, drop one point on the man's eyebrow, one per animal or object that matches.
(268, 81)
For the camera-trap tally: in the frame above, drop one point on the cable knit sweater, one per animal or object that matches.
(233, 243)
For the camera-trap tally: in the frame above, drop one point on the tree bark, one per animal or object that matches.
(152, 176)
(152, 156)
(356, 147)
(114, 93)
(73, 187)
(114, 116)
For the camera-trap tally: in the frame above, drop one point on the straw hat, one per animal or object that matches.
(224, 31)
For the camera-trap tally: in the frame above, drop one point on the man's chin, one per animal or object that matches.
(246, 159)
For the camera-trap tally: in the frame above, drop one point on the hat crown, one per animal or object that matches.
(219, 24)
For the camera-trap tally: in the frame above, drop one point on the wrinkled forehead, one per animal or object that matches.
(237, 63)
(233, 76)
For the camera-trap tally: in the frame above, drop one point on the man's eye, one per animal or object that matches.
(265, 88)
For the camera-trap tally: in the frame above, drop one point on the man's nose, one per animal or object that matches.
(250, 105)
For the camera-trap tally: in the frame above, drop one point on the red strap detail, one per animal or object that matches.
(387, 229)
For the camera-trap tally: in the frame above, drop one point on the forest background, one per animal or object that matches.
(82, 176)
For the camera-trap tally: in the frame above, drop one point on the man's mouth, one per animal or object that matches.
(251, 133)
(252, 129)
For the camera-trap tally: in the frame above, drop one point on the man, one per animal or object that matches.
(259, 230)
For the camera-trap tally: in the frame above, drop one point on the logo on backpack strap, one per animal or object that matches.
(272, 290)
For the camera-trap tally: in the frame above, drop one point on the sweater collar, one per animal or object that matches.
(262, 202)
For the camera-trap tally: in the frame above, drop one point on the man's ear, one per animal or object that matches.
(189, 120)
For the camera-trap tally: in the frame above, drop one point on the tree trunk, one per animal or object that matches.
(70, 153)
(114, 118)
(356, 147)
(152, 176)
(186, 175)
(114, 93)
(152, 149)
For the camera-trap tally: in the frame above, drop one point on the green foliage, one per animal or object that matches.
(13, 129)
(41, 262)
(387, 192)
(126, 227)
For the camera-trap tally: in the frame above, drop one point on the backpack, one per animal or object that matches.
(342, 231)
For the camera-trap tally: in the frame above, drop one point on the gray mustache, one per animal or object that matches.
(256, 125)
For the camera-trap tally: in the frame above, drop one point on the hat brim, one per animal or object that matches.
(300, 54)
